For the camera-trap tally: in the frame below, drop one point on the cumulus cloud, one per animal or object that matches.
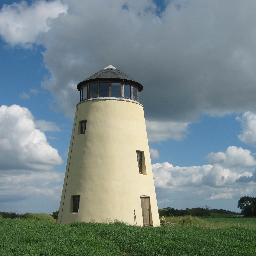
(195, 57)
(27, 160)
(17, 185)
(30, 191)
(21, 23)
(248, 122)
(22, 145)
(47, 126)
(223, 195)
(235, 157)
(163, 130)
(27, 95)
(198, 57)
(167, 175)
(228, 174)
(154, 153)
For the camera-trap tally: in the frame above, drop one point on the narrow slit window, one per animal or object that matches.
(82, 126)
(75, 201)
(141, 161)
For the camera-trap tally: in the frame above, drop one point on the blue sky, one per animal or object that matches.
(22, 71)
(198, 87)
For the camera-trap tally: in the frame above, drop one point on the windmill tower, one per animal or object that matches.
(109, 174)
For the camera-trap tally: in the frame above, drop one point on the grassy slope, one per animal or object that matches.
(183, 236)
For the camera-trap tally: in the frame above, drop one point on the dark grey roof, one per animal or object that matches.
(110, 73)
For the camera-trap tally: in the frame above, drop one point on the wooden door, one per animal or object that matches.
(146, 211)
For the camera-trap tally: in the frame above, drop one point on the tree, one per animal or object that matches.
(247, 204)
(55, 215)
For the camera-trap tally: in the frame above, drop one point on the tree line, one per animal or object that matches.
(246, 204)
(198, 212)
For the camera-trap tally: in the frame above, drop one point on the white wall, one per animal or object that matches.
(103, 166)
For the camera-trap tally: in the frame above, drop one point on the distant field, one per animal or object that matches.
(179, 236)
(209, 222)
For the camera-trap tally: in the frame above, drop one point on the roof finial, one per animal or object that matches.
(110, 67)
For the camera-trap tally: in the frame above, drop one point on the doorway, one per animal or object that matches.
(146, 211)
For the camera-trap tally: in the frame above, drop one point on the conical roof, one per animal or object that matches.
(110, 74)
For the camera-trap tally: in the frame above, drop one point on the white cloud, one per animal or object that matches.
(222, 195)
(21, 23)
(154, 153)
(17, 185)
(29, 191)
(47, 126)
(248, 122)
(24, 96)
(192, 59)
(26, 160)
(234, 157)
(229, 174)
(27, 95)
(22, 145)
(164, 130)
(167, 175)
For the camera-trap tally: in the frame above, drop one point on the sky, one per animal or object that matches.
(196, 60)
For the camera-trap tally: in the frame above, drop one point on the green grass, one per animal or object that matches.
(180, 236)
(209, 222)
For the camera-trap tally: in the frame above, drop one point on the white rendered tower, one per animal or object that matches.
(109, 175)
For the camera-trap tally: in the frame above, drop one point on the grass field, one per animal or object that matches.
(180, 236)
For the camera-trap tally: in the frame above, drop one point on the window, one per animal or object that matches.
(82, 126)
(84, 93)
(94, 87)
(141, 161)
(88, 91)
(81, 95)
(75, 200)
(116, 90)
(127, 91)
(134, 93)
(104, 90)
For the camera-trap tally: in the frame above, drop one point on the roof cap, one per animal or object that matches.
(110, 67)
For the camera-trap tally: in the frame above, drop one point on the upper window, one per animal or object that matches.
(94, 90)
(127, 91)
(84, 93)
(141, 161)
(107, 89)
(116, 90)
(134, 93)
(75, 201)
(82, 126)
(104, 90)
